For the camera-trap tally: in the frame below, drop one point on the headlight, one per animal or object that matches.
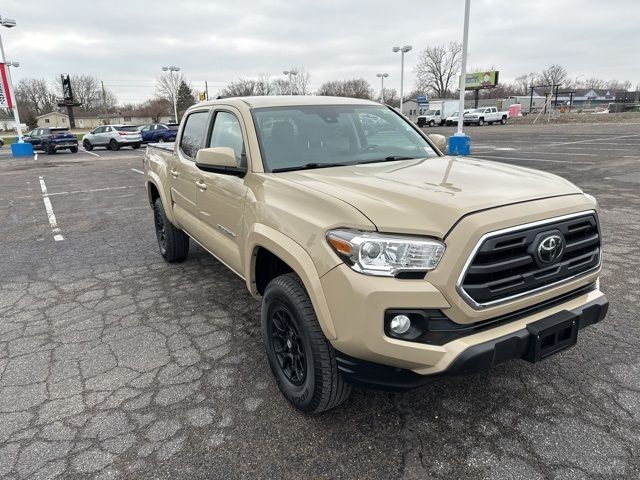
(385, 255)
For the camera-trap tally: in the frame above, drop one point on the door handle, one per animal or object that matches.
(173, 172)
(201, 185)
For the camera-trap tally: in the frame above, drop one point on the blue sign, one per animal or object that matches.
(421, 99)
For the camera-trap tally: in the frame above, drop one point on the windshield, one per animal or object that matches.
(430, 112)
(127, 128)
(300, 137)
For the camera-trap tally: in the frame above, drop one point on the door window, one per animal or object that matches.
(195, 127)
(228, 133)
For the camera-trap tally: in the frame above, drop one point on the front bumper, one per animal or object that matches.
(477, 358)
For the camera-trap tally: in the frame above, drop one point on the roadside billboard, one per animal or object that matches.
(479, 80)
(6, 97)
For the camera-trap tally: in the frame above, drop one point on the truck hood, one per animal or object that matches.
(428, 196)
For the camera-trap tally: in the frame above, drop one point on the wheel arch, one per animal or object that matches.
(265, 244)
(155, 190)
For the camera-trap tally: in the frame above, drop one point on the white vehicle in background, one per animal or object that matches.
(490, 115)
(438, 112)
(453, 119)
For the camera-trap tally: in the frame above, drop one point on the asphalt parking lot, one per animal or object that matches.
(114, 364)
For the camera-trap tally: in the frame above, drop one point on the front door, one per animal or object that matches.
(221, 196)
(184, 174)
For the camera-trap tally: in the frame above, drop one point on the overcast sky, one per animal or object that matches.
(126, 43)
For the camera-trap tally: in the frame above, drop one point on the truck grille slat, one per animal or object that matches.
(508, 264)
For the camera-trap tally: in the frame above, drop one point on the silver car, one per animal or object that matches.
(113, 137)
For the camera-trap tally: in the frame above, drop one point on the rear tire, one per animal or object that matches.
(49, 150)
(301, 358)
(74, 149)
(173, 242)
(113, 145)
(135, 146)
(87, 145)
(161, 140)
(503, 120)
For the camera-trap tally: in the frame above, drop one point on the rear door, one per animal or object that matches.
(184, 174)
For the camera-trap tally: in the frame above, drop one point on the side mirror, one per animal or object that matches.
(440, 141)
(216, 158)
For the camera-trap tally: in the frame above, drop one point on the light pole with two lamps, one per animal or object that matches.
(21, 148)
(291, 73)
(402, 51)
(382, 76)
(174, 93)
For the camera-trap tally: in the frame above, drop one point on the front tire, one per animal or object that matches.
(173, 242)
(49, 149)
(135, 146)
(481, 122)
(161, 140)
(432, 123)
(113, 145)
(300, 356)
(87, 145)
(73, 149)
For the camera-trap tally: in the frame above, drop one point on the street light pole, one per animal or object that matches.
(463, 71)
(174, 94)
(290, 73)
(9, 23)
(402, 51)
(382, 77)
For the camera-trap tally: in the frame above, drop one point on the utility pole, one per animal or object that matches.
(104, 102)
(460, 144)
(206, 90)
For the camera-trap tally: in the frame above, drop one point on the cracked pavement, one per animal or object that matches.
(114, 364)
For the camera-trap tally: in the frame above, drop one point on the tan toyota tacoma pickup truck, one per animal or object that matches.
(379, 261)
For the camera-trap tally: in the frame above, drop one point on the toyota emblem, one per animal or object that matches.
(550, 249)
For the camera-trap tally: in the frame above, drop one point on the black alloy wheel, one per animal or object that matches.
(288, 346)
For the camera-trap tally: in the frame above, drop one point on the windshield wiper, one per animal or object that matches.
(390, 159)
(308, 166)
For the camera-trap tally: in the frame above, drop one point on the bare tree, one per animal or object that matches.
(618, 85)
(167, 85)
(524, 83)
(156, 108)
(34, 93)
(239, 88)
(264, 85)
(554, 75)
(392, 98)
(301, 82)
(86, 89)
(438, 68)
(355, 88)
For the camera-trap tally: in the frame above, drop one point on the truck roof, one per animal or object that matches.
(289, 100)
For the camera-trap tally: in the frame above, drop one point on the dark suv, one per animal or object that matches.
(159, 132)
(52, 139)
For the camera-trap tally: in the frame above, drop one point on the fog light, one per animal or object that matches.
(400, 324)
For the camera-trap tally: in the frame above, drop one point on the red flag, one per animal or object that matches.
(6, 95)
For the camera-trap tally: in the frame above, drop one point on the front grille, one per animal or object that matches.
(506, 263)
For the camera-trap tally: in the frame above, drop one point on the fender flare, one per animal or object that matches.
(300, 262)
(165, 196)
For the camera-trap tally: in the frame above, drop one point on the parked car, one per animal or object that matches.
(370, 268)
(50, 140)
(438, 111)
(453, 119)
(159, 132)
(113, 137)
(1, 143)
(483, 115)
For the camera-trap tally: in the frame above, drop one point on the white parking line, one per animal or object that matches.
(591, 140)
(531, 159)
(90, 153)
(136, 170)
(49, 208)
(93, 190)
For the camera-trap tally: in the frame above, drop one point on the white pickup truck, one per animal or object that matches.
(483, 115)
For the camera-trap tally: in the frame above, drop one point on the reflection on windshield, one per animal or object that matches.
(300, 137)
